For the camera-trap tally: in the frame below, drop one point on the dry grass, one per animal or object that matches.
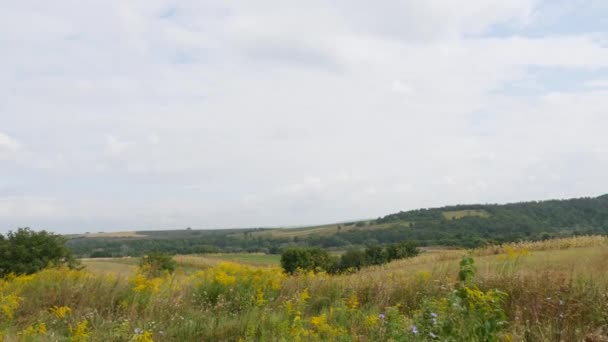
(557, 291)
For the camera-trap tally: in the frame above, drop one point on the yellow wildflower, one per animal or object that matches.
(304, 296)
(145, 336)
(60, 311)
(352, 302)
(80, 332)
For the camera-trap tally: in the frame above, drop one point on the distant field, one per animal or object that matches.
(248, 258)
(119, 266)
(126, 266)
(113, 235)
(323, 230)
(458, 214)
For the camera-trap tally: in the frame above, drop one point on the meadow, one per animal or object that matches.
(554, 290)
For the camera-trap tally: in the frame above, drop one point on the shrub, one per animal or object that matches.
(375, 255)
(307, 259)
(353, 259)
(26, 251)
(156, 263)
(402, 250)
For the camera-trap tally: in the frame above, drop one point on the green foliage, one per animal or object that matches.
(26, 251)
(466, 314)
(376, 255)
(307, 259)
(467, 269)
(156, 263)
(467, 226)
(402, 250)
(353, 259)
(316, 259)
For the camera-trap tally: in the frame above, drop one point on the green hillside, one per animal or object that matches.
(461, 225)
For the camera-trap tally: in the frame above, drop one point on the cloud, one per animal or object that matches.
(8, 147)
(156, 114)
(116, 148)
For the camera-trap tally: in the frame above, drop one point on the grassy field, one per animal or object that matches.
(190, 263)
(111, 266)
(248, 258)
(458, 214)
(555, 290)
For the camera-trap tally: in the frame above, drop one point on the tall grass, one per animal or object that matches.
(555, 290)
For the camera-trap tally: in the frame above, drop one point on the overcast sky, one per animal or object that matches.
(121, 115)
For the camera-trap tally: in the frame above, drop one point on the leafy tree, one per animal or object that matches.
(308, 259)
(157, 263)
(25, 251)
(353, 259)
(406, 249)
(375, 255)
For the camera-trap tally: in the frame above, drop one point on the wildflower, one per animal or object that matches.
(143, 336)
(434, 315)
(432, 335)
(414, 329)
(80, 332)
(381, 316)
(318, 321)
(60, 311)
(304, 296)
(352, 302)
(371, 320)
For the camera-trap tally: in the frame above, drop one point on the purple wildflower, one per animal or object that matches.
(381, 316)
(413, 329)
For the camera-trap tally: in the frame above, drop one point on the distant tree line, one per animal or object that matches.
(318, 259)
(499, 224)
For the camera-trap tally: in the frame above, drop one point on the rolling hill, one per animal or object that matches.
(460, 225)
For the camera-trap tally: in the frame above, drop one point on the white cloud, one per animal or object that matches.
(192, 111)
(8, 147)
(116, 148)
(597, 84)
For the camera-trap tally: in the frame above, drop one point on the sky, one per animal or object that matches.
(151, 114)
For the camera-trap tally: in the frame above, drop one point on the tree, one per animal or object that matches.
(155, 264)
(375, 255)
(26, 251)
(353, 259)
(402, 250)
(307, 259)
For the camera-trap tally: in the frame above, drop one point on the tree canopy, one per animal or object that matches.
(25, 251)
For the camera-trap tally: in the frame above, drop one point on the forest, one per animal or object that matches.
(466, 226)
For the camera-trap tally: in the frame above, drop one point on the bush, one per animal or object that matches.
(307, 259)
(353, 259)
(375, 255)
(26, 251)
(406, 249)
(156, 263)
